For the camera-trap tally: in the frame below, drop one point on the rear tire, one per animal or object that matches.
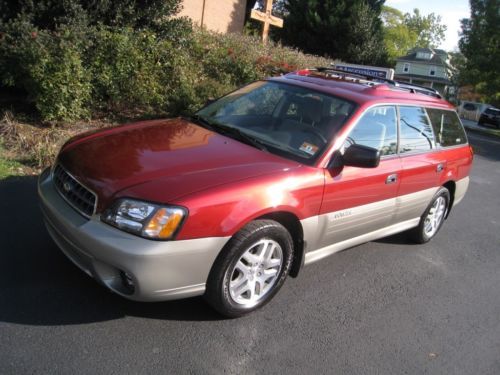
(250, 269)
(432, 218)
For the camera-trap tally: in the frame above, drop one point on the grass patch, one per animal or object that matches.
(27, 148)
(9, 167)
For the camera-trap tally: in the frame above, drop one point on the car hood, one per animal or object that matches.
(179, 156)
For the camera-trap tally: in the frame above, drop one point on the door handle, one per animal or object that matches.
(392, 178)
(439, 167)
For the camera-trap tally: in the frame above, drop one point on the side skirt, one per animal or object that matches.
(315, 255)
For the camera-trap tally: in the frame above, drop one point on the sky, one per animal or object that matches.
(451, 12)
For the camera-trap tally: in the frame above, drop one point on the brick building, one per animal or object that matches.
(225, 16)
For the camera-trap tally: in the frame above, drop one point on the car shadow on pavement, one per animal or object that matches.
(396, 239)
(39, 286)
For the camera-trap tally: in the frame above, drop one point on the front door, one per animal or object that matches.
(361, 200)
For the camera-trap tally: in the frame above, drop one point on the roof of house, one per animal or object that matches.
(436, 59)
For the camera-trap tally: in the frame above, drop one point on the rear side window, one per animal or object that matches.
(447, 127)
(415, 131)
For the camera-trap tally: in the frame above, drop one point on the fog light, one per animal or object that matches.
(127, 282)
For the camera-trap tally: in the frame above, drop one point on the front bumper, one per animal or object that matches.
(158, 270)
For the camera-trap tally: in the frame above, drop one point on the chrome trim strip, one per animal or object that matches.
(78, 181)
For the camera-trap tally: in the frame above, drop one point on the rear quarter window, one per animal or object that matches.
(447, 127)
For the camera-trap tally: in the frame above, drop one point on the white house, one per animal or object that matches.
(426, 67)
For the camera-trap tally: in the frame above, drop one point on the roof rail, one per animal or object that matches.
(420, 89)
(371, 80)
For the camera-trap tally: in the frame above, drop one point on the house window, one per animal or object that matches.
(432, 71)
(424, 55)
(406, 68)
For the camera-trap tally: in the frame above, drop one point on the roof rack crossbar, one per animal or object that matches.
(397, 84)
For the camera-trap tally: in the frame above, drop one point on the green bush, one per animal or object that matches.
(48, 66)
(78, 71)
(126, 68)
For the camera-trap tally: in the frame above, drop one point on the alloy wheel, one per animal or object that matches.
(256, 272)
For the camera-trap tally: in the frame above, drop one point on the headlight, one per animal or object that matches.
(145, 219)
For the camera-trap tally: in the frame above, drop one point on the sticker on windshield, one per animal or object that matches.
(309, 148)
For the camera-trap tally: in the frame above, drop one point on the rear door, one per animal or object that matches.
(421, 161)
(361, 200)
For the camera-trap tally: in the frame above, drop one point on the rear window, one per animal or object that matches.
(492, 111)
(447, 127)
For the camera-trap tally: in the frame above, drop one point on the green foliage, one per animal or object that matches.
(349, 30)
(48, 66)
(430, 30)
(128, 68)
(480, 44)
(398, 38)
(8, 168)
(403, 32)
(74, 72)
(50, 14)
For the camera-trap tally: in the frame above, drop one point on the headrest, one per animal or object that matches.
(311, 109)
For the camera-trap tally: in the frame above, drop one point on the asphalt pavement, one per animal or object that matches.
(385, 307)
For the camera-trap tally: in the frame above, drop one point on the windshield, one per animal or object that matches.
(287, 120)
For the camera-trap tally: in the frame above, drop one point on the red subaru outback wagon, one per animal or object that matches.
(276, 175)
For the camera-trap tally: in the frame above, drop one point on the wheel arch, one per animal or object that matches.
(292, 223)
(451, 186)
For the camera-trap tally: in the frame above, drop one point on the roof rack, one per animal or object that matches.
(372, 80)
(420, 89)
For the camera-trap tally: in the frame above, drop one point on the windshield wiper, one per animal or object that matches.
(231, 131)
(239, 135)
(200, 120)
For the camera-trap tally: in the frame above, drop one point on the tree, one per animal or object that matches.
(429, 29)
(480, 44)
(350, 30)
(48, 14)
(398, 38)
(403, 32)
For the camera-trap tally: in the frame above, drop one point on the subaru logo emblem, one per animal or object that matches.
(67, 187)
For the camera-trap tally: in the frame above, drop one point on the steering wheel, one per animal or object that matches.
(317, 133)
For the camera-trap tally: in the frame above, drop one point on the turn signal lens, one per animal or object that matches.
(164, 223)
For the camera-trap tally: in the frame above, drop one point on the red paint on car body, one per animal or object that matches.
(225, 183)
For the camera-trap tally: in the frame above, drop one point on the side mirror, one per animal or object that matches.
(361, 156)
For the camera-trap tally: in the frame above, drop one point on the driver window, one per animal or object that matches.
(377, 128)
(259, 102)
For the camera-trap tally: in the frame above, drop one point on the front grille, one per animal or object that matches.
(78, 196)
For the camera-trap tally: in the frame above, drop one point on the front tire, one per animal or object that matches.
(250, 269)
(433, 217)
